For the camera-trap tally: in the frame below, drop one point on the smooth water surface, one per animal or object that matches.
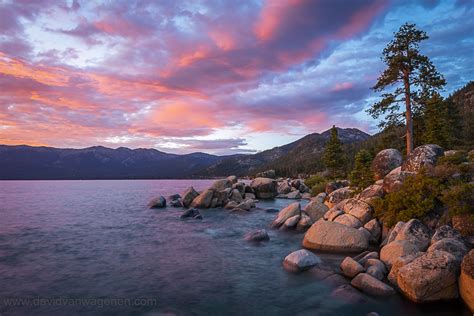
(97, 240)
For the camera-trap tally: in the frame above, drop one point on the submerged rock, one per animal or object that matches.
(370, 285)
(191, 213)
(159, 202)
(257, 235)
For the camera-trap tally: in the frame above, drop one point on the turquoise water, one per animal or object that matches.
(93, 247)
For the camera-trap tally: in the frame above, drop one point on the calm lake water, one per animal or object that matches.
(97, 243)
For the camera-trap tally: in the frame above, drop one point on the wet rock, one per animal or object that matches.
(304, 223)
(265, 188)
(466, 280)
(396, 249)
(446, 231)
(159, 202)
(370, 285)
(188, 196)
(246, 205)
(315, 210)
(203, 200)
(250, 196)
(430, 277)
(231, 205)
(334, 237)
(190, 213)
(350, 268)
(334, 280)
(376, 268)
(450, 245)
(289, 211)
(173, 197)
(257, 235)
(416, 232)
(292, 222)
(176, 203)
(422, 156)
(385, 161)
(272, 210)
(349, 295)
(220, 185)
(301, 260)
(239, 210)
(197, 216)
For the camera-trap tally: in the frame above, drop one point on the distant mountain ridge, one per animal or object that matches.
(30, 163)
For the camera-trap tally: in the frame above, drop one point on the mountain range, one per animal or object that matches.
(32, 163)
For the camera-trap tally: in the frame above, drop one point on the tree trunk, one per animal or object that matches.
(409, 121)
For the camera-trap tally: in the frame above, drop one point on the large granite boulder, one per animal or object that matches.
(392, 234)
(396, 249)
(393, 181)
(466, 280)
(265, 188)
(315, 210)
(159, 202)
(374, 228)
(348, 220)
(203, 200)
(222, 184)
(446, 231)
(291, 210)
(376, 268)
(416, 232)
(430, 277)
(422, 156)
(359, 209)
(450, 245)
(334, 237)
(398, 264)
(301, 260)
(338, 196)
(188, 196)
(385, 161)
(350, 268)
(370, 285)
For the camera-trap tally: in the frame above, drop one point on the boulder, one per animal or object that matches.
(320, 197)
(393, 181)
(220, 185)
(338, 196)
(188, 196)
(246, 205)
(466, 280)
(250, 196)
(399, 263)
(176, 203)
(283, 187)
(295, 195)
(173, 197)
(385, 161)
(334, 237)
(289, 211)
(236, 196)
(267, 174)
(301, 260)
(430, 277)
(450, 245)
(348, 220)
(463, 224)
(372, 286)
(374, 228)
(190, 213)
(159, 202)
(222, 197)
(394, 232)
(376, 268)
(350, 268)
(365, 256)
(204, 199)
(231, 205)
(291, 222)
(240, 187)
(333, 213)
(359, 209)
(232, 179)
(304, 223)
(315, 210)
(396, 249)
(265, 188)
(371, 193)
(416, 232)
(422, 156)
(257, 235)
(446, 231)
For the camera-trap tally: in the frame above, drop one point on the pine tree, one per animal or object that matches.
(436, 129)
(415, 75)
(333, 157)
(362, 175)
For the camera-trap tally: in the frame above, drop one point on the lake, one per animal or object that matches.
(93, 247)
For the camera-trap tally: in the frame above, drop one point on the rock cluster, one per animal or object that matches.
(292, 217)
(292, 189)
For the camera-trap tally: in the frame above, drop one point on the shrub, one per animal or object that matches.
(318, 188)
(418, 196)
(316, 183)
(459, 199)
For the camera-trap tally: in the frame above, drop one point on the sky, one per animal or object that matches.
(220, 77)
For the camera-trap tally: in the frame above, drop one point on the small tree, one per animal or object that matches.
(362, 175)
(333, 157)
(415, 75)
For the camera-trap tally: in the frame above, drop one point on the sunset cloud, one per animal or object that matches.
(213, 76)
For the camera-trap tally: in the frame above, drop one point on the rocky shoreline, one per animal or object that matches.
(423, 259)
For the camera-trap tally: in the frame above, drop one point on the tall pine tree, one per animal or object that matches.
(415, 75)
(333, 157)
